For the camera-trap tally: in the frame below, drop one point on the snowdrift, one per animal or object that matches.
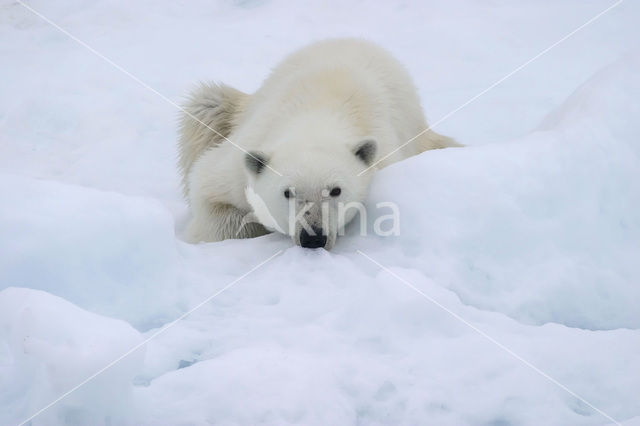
(545, 228)
(102, 250)
(50, 346)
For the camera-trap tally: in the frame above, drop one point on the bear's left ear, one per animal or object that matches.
(255, 161)
(366, 151)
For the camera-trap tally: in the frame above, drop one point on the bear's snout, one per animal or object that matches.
(312, 241)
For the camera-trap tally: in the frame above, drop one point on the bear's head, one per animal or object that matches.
(309, 190)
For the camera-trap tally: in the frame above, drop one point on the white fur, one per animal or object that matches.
(307, 119)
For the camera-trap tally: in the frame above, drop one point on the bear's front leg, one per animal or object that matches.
(218, 221)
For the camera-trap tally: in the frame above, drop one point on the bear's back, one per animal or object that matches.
(360, 58)
(349, 75)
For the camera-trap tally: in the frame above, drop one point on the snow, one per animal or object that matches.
(52, 346)
(521, 248)
(68, 240)
(548, 228)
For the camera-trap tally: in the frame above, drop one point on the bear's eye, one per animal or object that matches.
(287, 193)
(335, 191)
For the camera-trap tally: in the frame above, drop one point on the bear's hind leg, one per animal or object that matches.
(432, 140)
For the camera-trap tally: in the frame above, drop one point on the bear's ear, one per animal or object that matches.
(366, 151)
(255, 161)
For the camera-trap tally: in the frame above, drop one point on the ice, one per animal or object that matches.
(102, 250)
(544, 228)
(522, 248)
(50, 346)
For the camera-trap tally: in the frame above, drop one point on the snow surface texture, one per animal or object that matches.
(531, 234)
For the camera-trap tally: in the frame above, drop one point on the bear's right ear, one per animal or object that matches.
(366, 151)
(255, 162)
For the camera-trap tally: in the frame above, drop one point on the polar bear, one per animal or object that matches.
(304, 145)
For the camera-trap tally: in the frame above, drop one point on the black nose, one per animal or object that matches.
(312, 241)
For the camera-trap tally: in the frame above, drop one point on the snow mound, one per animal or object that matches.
(49, 346)
(104, 251)
(544, 228)
(317, 338)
